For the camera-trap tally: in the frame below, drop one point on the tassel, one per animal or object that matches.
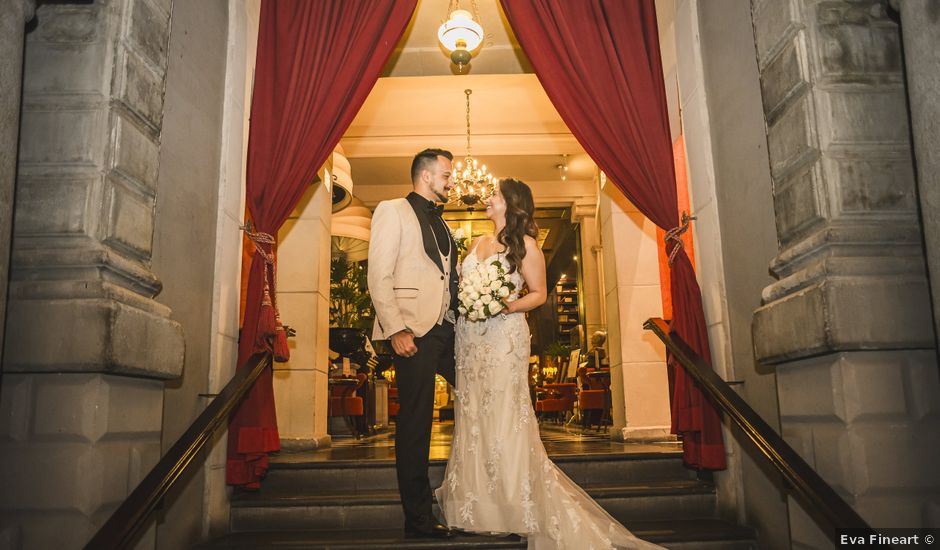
(281, 351)
(267, 320)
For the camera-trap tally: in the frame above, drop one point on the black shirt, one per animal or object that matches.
(433, 217)
(429, 216)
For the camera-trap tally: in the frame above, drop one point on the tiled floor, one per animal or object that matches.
(559, 441)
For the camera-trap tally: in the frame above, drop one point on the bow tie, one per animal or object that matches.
(434, 208)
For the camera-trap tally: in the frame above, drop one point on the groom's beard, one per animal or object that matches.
(441, 196)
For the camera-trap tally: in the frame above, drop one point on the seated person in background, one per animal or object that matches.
(597, 356)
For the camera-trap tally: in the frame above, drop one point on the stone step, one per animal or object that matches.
(381, 509)
(677, 534)
(297, 474)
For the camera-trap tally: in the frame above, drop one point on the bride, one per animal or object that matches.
(499, 478)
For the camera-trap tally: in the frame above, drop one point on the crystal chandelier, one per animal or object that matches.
(472, 183)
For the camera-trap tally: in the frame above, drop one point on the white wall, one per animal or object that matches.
(735, 237)
(243, 18)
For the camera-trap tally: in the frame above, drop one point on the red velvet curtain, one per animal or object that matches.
(599, 63)
(317, 62)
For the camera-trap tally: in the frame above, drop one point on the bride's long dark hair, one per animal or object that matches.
(520, 220)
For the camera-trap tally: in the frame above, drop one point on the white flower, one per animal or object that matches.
(503, 291)
(486, 299)
(495, 307)
(496, 285)
(473, 316)
(492, 271)
(458, 234)
(462, 310)
(478, 304)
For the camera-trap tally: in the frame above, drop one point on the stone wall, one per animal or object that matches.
(184, 244)
(743, 196)
(88, 347)
(920, 23)
(848, 322)
(13, 19)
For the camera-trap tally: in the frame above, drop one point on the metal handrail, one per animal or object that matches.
(817, 496)
(124, 524)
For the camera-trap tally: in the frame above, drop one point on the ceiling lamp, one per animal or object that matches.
(350, 231)
(563, 168)
(342, 180)
(472, 183)
(460, 34)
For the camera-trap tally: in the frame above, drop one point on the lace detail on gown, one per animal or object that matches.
(499, 478)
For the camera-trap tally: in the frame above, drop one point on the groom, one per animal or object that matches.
(413, 283)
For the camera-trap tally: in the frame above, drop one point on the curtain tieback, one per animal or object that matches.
(259, 239)
(675, 234)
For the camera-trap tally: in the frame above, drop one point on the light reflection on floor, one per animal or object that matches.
(559, 440)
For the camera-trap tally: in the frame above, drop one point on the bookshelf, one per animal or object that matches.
(567, 309)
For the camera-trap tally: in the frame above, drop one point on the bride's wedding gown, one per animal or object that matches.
(499, 478)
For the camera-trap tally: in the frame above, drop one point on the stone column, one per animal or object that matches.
(848, 322)
(303, 297)
(639, 384)
(15, 14)
(920, 24)
(88, 347)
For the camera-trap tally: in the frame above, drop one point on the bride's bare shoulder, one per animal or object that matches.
(486, 240)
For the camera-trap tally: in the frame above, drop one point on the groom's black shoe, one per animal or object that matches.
(436, 531)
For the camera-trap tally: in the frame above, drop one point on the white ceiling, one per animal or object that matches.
(421, 103)
(515, 129)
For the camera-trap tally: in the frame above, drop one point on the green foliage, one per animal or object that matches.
(557, 349)
(350, 303)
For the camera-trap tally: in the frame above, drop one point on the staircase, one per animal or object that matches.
(353, 504)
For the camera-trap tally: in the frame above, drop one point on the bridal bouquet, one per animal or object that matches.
(482, 291)
(460, 239)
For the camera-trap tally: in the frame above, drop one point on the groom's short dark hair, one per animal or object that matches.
(424, 159)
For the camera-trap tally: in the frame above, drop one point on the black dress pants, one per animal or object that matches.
(415, 379)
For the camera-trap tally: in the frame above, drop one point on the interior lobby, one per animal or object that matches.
(738, 349)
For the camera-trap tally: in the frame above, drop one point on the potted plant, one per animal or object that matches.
(351, 309)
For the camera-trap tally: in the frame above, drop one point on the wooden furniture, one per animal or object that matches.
(393, 405)
(557, 400)
(567, 309)
(594, 398)
(345, 403)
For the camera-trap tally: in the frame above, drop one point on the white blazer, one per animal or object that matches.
(407, 287)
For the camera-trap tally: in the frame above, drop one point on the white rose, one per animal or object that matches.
(495, 307)
(478, 304)
(473, 316)
(462, 310)
(495, 285)
(486, 298)
(474, 295)
(458, 234)
(503, 291)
